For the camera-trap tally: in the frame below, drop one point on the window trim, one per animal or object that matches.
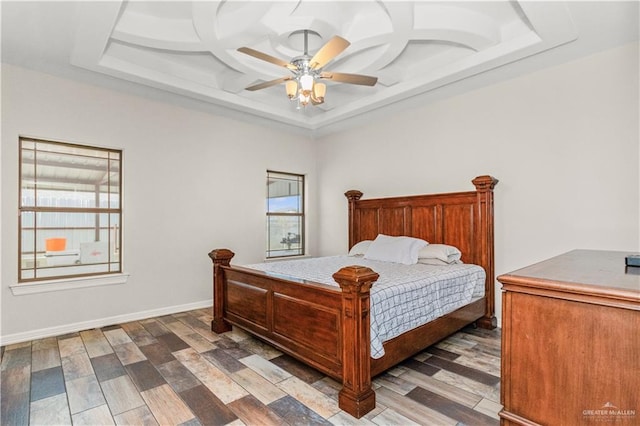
(42, 286)
(82, 279)
(302, 216)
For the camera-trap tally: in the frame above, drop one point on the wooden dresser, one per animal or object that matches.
(571, 341)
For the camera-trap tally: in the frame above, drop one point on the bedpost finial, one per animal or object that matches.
(223, 256)
(353, 195)
(485, 183)
(355, 277)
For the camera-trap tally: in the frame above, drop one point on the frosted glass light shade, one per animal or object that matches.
(292, 88)
(319, 90)
(306, 84)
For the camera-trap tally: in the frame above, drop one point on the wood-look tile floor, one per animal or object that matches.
(173, 370)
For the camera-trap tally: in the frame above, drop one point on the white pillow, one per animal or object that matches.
(395, 249)
(445, 253)
(361, 248)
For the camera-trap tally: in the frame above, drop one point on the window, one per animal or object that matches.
(285, 214)
(70, 210)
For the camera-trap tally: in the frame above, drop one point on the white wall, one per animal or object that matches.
(193, 182)
(563, 142)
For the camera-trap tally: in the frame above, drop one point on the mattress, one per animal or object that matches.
(404, 296)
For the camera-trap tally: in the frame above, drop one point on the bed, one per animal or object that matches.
(328, 327)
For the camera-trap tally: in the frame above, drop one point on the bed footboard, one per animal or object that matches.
(323, 326)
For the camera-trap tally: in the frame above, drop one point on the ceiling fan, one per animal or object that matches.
(303, 86)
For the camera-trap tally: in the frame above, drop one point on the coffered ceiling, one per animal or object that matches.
(189, 48)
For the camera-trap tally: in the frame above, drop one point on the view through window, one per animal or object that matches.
(285, 214)
(70, 210)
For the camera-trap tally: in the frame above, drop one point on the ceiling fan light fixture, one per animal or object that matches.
(302, 87)
(305, 90)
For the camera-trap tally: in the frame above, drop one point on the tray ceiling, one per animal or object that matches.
(185, 53)
(190, 48)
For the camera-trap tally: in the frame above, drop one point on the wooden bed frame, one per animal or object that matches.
(328, 327)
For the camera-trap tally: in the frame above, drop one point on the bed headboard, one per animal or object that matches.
(461, 219)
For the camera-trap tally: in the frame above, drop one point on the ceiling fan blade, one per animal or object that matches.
(363, 80)
(268, 58)
(330, 50)
(266, 84)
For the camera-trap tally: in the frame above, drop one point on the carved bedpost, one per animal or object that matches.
(219, 257)
(484, 233)
(356, 396)
(353, 196)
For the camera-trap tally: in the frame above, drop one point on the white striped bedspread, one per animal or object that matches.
(404, 297)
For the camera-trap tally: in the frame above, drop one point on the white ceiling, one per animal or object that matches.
(185, 52)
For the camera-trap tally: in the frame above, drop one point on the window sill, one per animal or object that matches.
(68, 284)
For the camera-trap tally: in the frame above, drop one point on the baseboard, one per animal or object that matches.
(102, 322)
